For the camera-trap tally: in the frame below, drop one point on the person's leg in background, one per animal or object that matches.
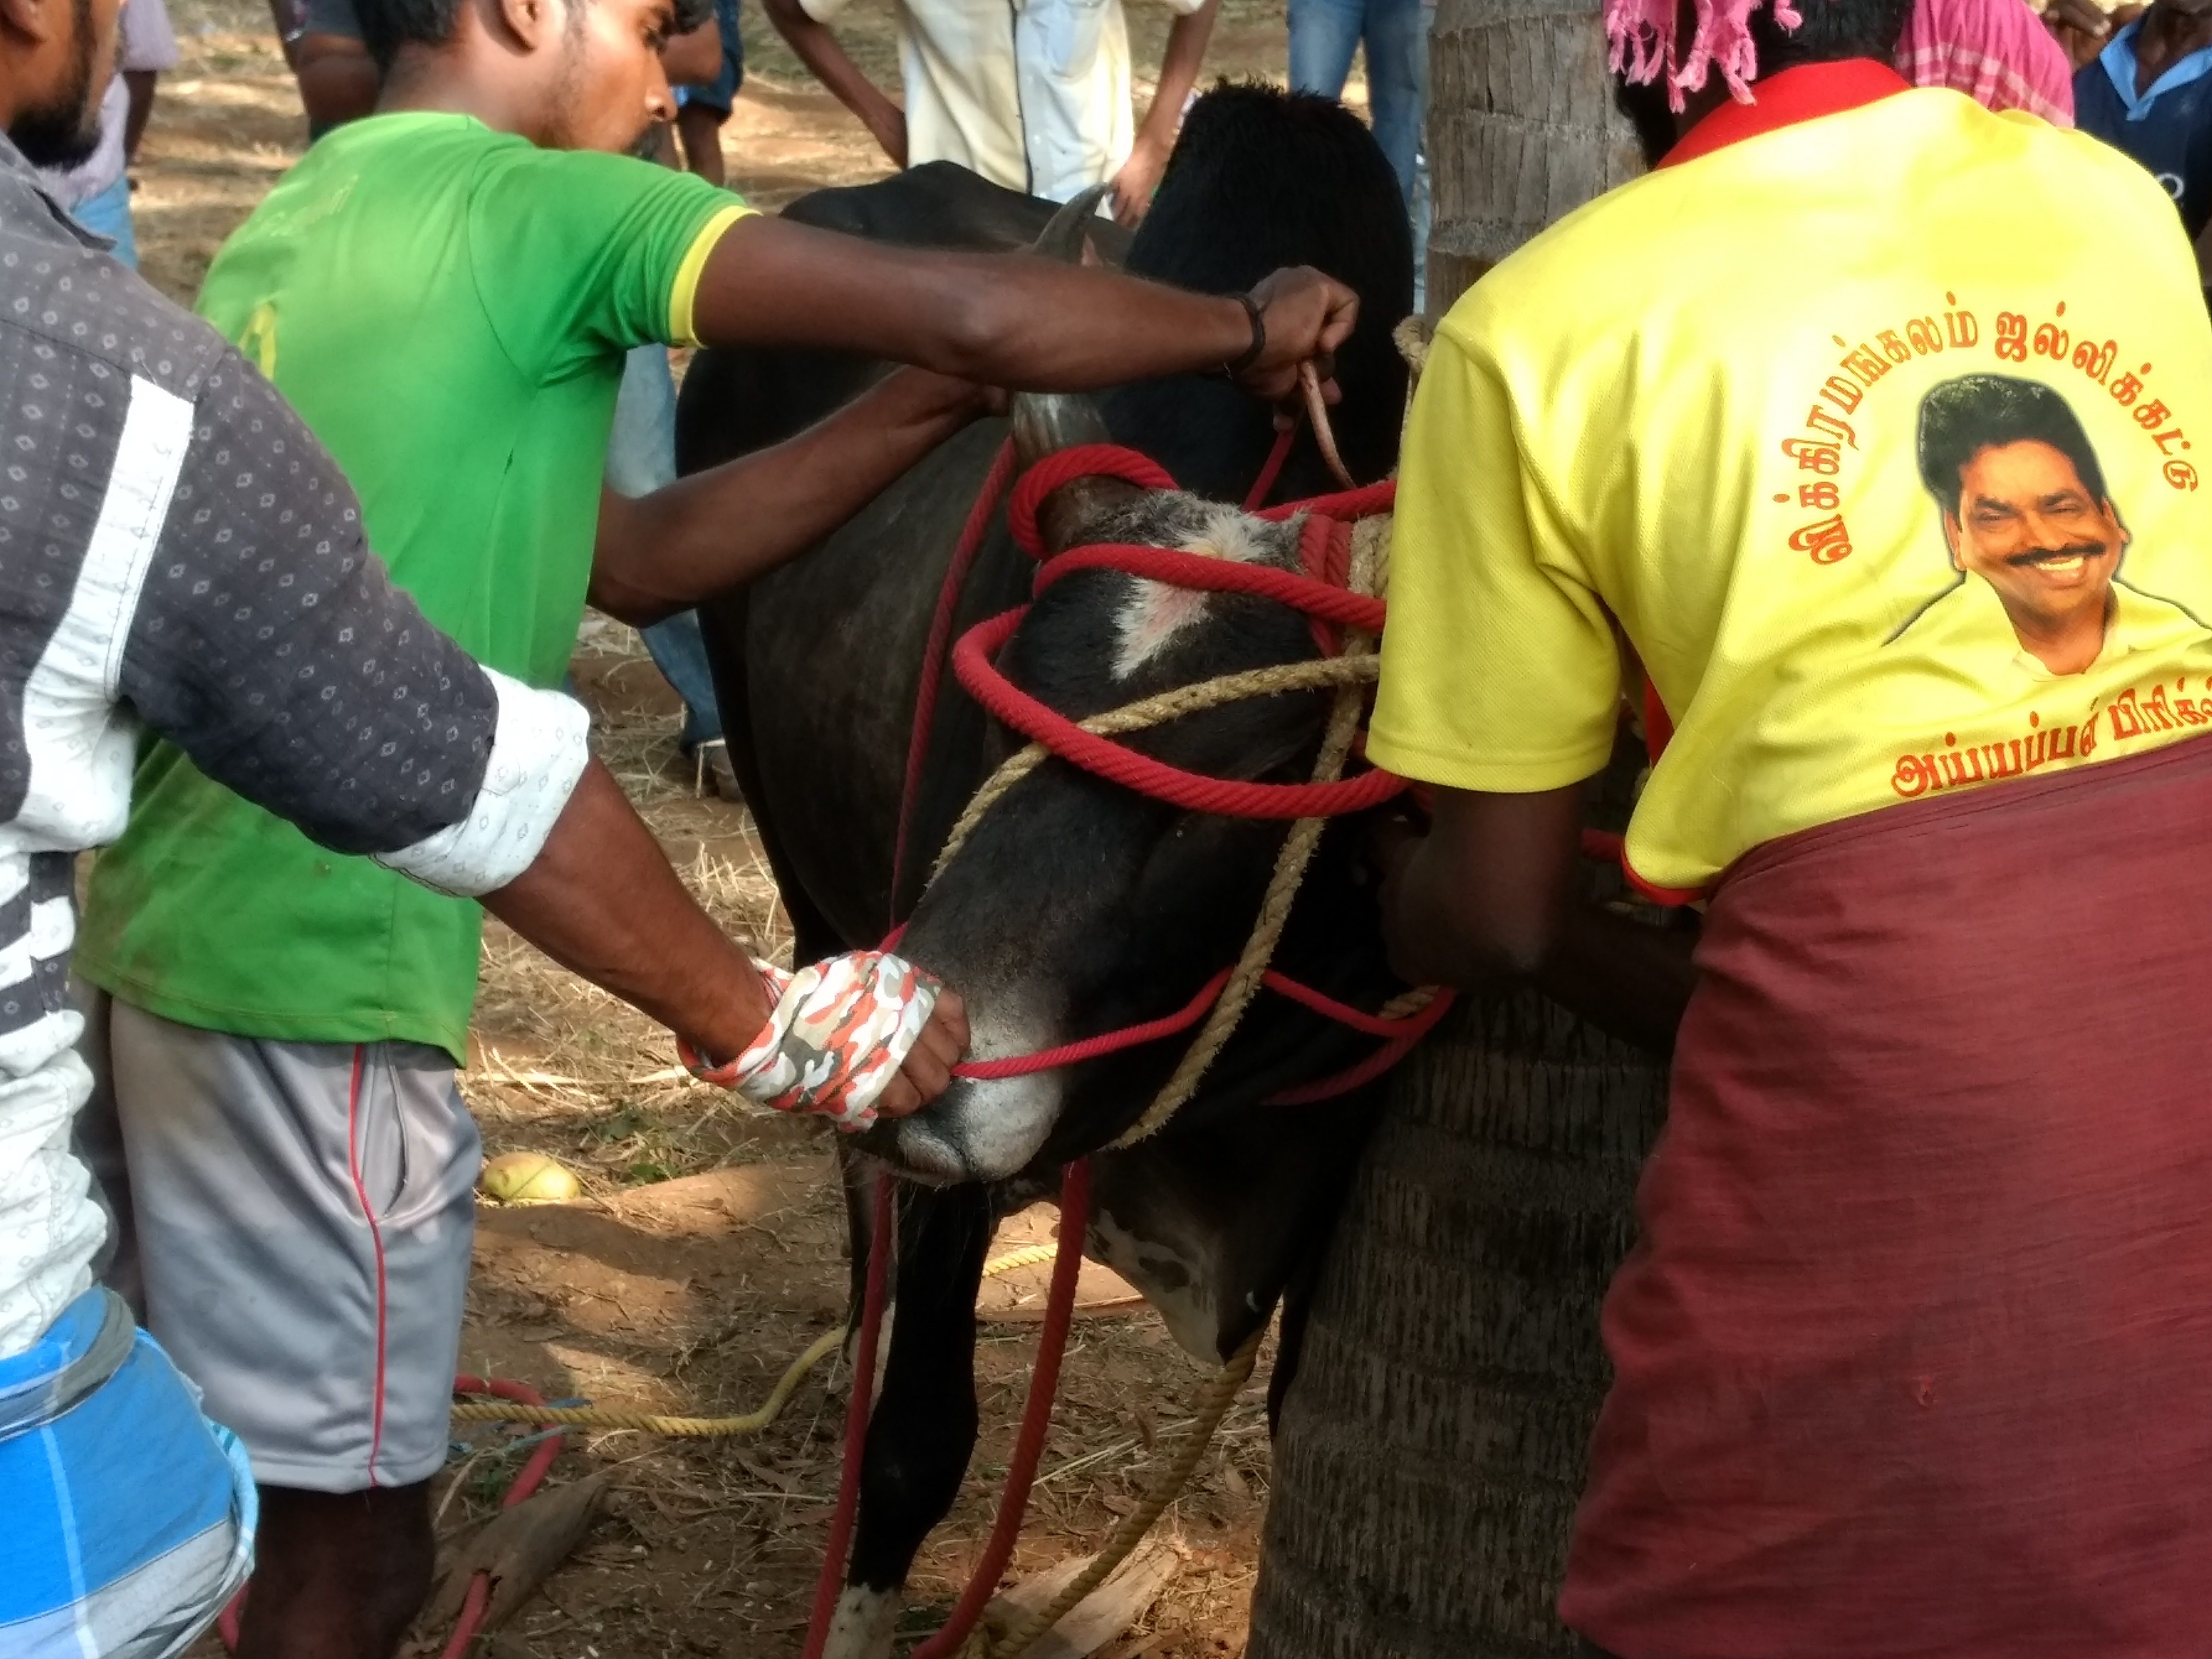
(305, 1212)
(1396, 35)
(109, 214)
(702, 110)
(641, 458)
(1324, 33)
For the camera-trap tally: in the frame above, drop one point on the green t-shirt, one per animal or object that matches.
(447, 307)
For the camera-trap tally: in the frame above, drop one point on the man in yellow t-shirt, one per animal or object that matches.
(1895, 513)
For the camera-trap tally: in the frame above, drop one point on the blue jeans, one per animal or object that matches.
(109, 214)
(641, 458)
(1323, 35)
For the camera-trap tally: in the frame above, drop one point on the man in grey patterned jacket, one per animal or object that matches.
(177, 554)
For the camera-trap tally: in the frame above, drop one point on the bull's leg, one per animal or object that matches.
(923, 1429)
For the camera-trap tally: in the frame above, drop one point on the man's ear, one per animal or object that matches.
(526, 23)
(1951, 538)
(35, 21)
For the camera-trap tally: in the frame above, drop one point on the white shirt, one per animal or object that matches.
(1033, 95)
(145, 42)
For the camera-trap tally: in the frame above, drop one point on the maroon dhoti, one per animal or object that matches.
(1915, 1356)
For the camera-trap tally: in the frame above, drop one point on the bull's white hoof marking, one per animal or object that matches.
(863, 1623)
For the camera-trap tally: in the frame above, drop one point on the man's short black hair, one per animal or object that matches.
(1960, 419)
(388, 25)
(1833, 30)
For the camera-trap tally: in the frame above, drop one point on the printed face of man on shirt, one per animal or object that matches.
(2025, 509)
(2029, 526)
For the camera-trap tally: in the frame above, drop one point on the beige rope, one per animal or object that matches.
(1291, 860)
(1318, 418)
(1158, 710)
(752, 1422)
(1213, 1403)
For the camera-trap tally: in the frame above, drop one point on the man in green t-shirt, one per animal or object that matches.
(445, 292)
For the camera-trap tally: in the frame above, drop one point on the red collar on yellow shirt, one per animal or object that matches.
(1805, 92)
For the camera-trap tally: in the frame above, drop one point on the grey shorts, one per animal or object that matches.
(295, 1218)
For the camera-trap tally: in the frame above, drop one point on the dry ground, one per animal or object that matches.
(708, 1249)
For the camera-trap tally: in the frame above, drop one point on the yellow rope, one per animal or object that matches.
(752, 1422)
(596, 1417)
(1028, 1256)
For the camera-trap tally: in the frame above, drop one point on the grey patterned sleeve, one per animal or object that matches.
(269, 645)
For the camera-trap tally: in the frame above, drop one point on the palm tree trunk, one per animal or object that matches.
(1431, 1446)
(1522, 129)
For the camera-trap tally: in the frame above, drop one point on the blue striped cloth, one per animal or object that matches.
(126, 1518)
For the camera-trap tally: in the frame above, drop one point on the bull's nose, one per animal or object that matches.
(922, 1150)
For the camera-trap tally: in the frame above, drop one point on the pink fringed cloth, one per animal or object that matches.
(1915, 1354)
(1643, 37)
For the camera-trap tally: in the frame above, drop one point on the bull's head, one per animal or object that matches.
(1077, 906)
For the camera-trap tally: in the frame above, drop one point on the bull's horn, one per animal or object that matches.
(1046, 422)
(1062, 238)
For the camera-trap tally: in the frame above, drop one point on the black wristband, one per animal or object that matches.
(1235, 370)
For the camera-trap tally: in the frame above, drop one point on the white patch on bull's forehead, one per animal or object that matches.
(1155, 613)
(1172, 1274)
(864, 1625)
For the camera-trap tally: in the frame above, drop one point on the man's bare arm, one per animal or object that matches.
(1140, 176)
(720, 528)
(1002, 319)
(601, 900)
(818, 47)
(1491, 896)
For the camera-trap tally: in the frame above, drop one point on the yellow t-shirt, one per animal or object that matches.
(1871, 434)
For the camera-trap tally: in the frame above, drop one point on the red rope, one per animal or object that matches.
(525, 1482)
(1271, 469)
(1037, 1418)
(1065, 467)
(1415, 1027)
(1130, 1036)
(882, 1226)
(1232, 797)
(1108, 1043)
(1332, 602)
(972, 534)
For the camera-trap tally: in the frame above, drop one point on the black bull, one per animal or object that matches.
(1075, 907)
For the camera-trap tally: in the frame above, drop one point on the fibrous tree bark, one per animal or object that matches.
(1431, 1447)
(1522, 129)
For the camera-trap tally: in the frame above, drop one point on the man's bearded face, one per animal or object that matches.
(63, 129)
(2029, 526)
(611, 92)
